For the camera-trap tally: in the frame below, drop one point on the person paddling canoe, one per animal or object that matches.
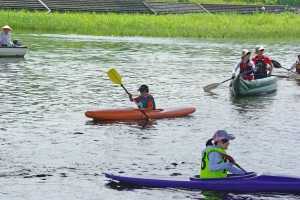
(296, 65)
(261, 61)
(145, 101)
(245, 65)
(213, 164)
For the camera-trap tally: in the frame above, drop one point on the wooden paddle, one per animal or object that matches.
(116, 78)
(212, 86)
(228, 157)
(278, 65)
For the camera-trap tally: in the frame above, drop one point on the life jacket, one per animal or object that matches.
(245, 67)
(261, 66)
(297, 66)
(144, 101)
(205, 172)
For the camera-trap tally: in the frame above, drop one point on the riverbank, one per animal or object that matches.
(258, 25)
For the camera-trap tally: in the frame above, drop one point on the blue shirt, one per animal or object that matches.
(5, 39)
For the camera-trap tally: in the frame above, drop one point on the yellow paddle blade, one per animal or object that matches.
(210, 87)
(114, 76)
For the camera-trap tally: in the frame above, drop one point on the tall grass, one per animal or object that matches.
(258, 25)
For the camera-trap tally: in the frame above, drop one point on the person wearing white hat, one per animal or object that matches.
(246, 66)
(214, 164)
(261, 61)
(296, 65)
(5, 36)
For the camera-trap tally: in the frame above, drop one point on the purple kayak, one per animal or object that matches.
(249, 182)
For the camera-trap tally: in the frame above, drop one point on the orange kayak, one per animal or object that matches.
(135, 114)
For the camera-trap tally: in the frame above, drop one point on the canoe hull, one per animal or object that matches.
(249, 182)
(241, 87)
(136, 114)
(19, 51)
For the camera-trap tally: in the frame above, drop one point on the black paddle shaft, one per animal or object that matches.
(141, 110)
(124, 89)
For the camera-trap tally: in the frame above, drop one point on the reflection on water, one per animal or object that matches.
(11, 60)
(142, 124)
(297, 81)
(254, 104)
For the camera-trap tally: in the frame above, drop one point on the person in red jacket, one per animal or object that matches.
(261, 62)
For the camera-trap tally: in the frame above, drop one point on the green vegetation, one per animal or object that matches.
(258, 25)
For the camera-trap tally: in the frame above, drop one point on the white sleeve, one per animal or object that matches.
(293, 66)
(214, 159)
(252, 64)
(236, 67)
(234, 170)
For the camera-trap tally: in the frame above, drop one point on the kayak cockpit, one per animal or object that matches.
(229, 177)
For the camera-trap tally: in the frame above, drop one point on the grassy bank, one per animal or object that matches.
(285, 25)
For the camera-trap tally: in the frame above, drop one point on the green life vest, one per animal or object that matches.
(145, 101)
(205, 172)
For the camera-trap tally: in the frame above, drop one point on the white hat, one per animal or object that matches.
(6, 26)
(258, 48)
(245, 52)
(298, 54)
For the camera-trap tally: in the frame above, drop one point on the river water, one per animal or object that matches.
(50, 150)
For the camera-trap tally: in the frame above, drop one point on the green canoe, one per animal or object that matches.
(241, 87)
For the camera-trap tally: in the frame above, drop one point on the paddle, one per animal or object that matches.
(228, 157)
(278, 65)
(212, 86)
(116, 78)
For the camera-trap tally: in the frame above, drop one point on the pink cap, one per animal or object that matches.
(222, 134)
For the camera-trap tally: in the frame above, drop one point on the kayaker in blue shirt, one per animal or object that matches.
(145, 101)
(213, 164)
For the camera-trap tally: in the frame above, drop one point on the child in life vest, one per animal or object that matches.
(213, 164)
(246, 66)
(145, 101)
(296, 65)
